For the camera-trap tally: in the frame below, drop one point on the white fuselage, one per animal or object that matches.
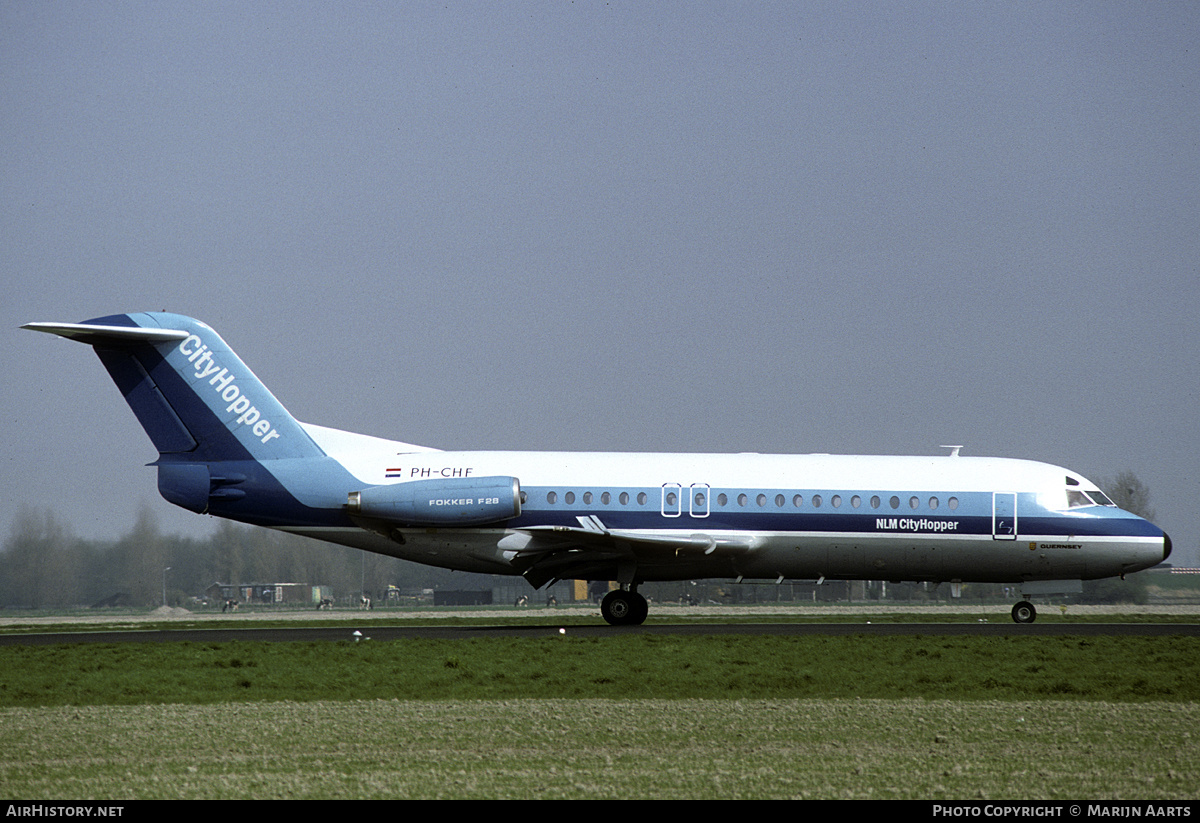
(771, 516)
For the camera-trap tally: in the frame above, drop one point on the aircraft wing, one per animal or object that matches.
(547, 553)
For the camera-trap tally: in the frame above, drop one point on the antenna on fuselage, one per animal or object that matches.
(954, 450)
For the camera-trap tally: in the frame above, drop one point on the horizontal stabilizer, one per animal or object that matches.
(98, 335)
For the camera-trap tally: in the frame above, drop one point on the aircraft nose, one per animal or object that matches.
(1166, 546)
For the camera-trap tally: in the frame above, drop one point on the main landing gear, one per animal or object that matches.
(624, 608)
(1024, 612)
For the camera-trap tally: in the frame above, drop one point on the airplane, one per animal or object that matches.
(227, 447)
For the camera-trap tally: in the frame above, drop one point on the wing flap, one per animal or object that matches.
(546, 553)
(642, 542)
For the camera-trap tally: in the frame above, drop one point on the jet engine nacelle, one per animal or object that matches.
(464, 501)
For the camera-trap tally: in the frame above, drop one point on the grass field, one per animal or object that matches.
(589, 748)
(627, 716)
(622, 666)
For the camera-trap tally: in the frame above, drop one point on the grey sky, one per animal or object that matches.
(784, 227)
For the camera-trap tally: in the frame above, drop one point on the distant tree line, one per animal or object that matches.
(43, 564)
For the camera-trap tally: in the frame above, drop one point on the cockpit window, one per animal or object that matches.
(1093, 497)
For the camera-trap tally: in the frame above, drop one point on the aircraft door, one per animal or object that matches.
(1004, 515)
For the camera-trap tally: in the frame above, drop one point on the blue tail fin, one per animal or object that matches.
(192, 394)
(226, 445)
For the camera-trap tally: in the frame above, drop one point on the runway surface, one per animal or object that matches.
(346, 631)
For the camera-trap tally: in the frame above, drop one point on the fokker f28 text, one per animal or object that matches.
(228, 448)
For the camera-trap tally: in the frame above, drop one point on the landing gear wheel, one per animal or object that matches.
(622, 608)
(1024, 612)
(641, 609)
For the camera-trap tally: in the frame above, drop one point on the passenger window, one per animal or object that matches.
(624, 498)
(641, 498)
(762, 500)
(742, 499)
(952, 503)
(587, 497)
(856, 501)
(894, 502)
(836, 501)
(722, 499)
(816, 501)
(933, 503)
(605, 497)
(552, 497)
(914, 502)
(875, 501)
(798, 501)
(779, 500)
(569, 498)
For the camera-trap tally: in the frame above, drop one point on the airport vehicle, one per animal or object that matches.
(228, 448)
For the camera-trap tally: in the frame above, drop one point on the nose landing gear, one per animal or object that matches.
(1024, 612)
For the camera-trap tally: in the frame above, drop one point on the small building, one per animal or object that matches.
(298, 594)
